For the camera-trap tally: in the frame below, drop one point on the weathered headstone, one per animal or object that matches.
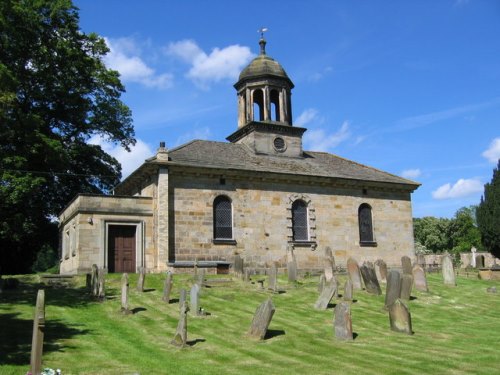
(200, 277)
(491, 289)
(292, 269)
(38, 333)
(354, 274)
(343, 322)
(400, 317)
(237, 265)
(329, 264)
(448, 271)
(167, 288)
(141, 279)
(335, 280)
(273, 274)
(88, 282)
(393, 289)
(101, 280)
(182, 297)
(473, 257)
(195, 299)
(262, 319)
(348, 291)
(326, 295)
(246, 274)
(125, 308)
(406, 286)
(195, 267)
(321, 284)
(180, 338)
(381, 271)
(419, 279)
(406, 263)
(95, 286)
(370, 278)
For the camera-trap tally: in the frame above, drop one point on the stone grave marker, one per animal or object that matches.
(88, 282)
(419, 279)
(406, 263)
(195, 299)
(326, 295)
(101, 280)
(200, 277)
(348, 290)
(343, 322)
(246, 274)
(406, 287)
(381, 271)
(354, 274)
(400, 317)
(273, 274)
(393, 290)
(182, 297)
(448, 271)
(180, 337)
(125, 307)
(38, 333)
(370, 278)
(321, 284)
(292, 269)
(95, 286)
(238, 265)
(167, 287)
(262, 319)
(336, 282)
(141, 279)
(473, 257)
(329, 264)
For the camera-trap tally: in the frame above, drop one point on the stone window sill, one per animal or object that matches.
(220, 241)
(368, 243)
(303, 243)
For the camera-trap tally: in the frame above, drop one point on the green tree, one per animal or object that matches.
(433, 233)
(488, 214)
(463, 230)
(55, 93)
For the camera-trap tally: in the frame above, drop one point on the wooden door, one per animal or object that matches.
(121, 248)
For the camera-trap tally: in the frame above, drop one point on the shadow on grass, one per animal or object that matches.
(136, 310)
(148, 290)
(273, 333)
(194, 342)
(15, 346)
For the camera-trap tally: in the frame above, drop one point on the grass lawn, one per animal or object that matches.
(457, 331)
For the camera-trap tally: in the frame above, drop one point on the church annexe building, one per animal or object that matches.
(260, 195)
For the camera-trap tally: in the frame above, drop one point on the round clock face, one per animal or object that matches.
(279, 144)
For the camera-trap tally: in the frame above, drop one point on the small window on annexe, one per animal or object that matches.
(366, 237)
(223, 218)
(299, 221)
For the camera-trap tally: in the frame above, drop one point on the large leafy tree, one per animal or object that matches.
(55, 93)
(488, 214)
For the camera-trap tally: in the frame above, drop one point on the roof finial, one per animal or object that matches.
(262, 41)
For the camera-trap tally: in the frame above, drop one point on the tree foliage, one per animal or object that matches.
(488, 214)
(55, 93)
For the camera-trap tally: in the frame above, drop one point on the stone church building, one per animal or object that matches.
(259, 195)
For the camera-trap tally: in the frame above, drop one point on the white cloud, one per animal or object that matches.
(201, 133)
(124, 57)
(220, 64)
(306, 117)
(462, 188)
(319, 140)
(493, 152)
(411, 173)
(130, 161)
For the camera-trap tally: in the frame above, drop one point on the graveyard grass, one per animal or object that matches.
(456, 330)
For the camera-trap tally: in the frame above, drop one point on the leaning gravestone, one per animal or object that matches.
(343, 322)
(321, 284)
(101, 279)
(406, 263)
(381, 270)
(262, 319)
(393, 289)
(348, 291)
(94, 285)
(448, 271)
(167, 288)
(180, 338)
(195, 299)
(329, 264)
(326, 295)
(141, 279)
(400, 317)
(354, 274)
(125, 308)
(273, 274)
(419, 279)
(38, 333)
(182, 297)
(370, 278)
(406, 287)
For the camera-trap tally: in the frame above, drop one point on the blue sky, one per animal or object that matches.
(409, 87)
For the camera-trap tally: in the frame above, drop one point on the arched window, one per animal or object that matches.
(300, 227)
(258, 105)
(223, 218)
(365, 224)
(275, 105)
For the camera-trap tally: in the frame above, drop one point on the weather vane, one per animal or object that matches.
(262, 30)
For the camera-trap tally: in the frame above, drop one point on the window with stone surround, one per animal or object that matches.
(223, 218)
(300, 227)
(366, 237)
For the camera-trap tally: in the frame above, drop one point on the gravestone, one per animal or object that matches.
(101, 280)
(180, 337)
(393, 290)
(370, 278)
(326, 295)
(406, 263)
(329, 264)
(406, 286)
(238, 265)
(354, 274)
(141, 279)
(343, 322)
(38, 333)
(480, 261)
(200, 277)
(448, 271)
(348, 290)
(125, 308)
(195, 267)
(400, 317)
(246, 275)
(167, 288)
(95, 286)
(262, 319)
(273, 274)
(195, 299)
(419, 279)
(381, 271)
(321, 284)
(182, 297)
(292, 269)
(88, 282)
(335, 280)
(473, 257)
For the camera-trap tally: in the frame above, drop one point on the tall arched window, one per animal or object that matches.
(223, 218)
(300, 226)
(258, 105)
(365, 224)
